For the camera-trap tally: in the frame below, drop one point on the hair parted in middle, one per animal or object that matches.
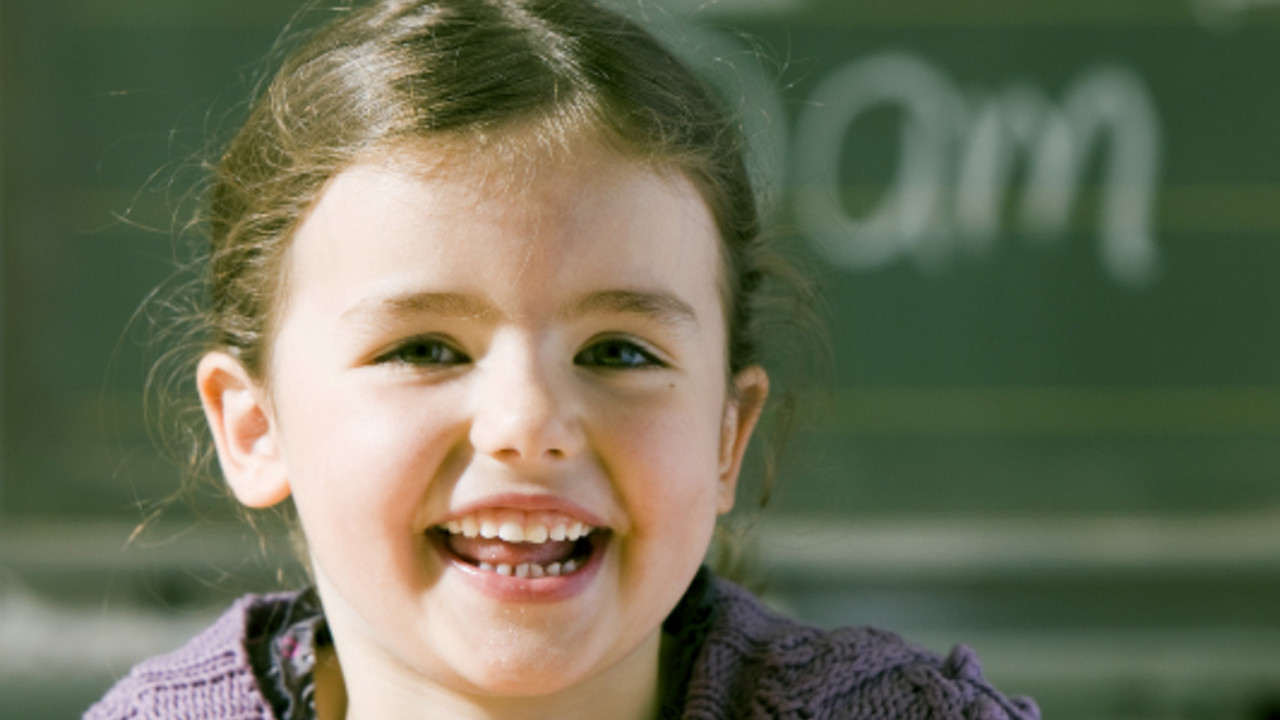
(496, 74)
(397, 80)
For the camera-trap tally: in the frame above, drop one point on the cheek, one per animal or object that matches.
(664, 460)
(362, 461)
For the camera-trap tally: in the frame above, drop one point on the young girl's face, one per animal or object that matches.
(457, 354)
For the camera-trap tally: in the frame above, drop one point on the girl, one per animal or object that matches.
(484, 281)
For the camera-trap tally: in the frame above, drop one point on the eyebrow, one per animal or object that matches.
(658, 305)
(454, 305)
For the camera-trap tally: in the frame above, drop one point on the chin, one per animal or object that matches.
(513, 662)
(521, 675)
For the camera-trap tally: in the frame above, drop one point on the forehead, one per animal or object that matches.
(514, 232)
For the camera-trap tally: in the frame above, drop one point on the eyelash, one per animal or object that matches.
(429, 352)
(606, 354)
(642, 357)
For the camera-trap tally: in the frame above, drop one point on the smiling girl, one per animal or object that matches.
(484, 276)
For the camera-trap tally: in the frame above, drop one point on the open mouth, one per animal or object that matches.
(520, 546)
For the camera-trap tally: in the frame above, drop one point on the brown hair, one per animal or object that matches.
(394, 72)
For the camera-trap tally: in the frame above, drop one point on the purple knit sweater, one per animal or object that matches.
(744, 662)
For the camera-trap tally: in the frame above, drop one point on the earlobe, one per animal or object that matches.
(244, 432)
(751, 389)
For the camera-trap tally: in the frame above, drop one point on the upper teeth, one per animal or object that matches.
(518, 527)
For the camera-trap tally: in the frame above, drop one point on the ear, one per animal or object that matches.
(244, 431)
(751, 389)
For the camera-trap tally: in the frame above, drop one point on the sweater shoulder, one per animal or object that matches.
(209, 677)
(762, 664)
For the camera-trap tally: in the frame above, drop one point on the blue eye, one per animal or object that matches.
(617, 354)
(425, 352)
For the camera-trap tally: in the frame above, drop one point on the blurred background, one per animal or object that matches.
(1049, 233)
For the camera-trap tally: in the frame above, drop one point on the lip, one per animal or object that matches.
(528, 503)
(510, 589)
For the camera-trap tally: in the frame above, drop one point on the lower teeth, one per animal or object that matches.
(531, 570)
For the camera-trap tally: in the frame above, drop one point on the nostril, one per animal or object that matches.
(526, 429)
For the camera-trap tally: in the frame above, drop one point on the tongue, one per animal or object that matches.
(497, 552)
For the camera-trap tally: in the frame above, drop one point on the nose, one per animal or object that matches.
(525, 408)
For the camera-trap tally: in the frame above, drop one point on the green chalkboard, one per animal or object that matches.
(1048, 233)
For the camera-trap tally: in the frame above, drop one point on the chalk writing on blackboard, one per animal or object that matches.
(956, 164)
(1227, 14)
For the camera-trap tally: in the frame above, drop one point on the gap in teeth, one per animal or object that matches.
(518, 527)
